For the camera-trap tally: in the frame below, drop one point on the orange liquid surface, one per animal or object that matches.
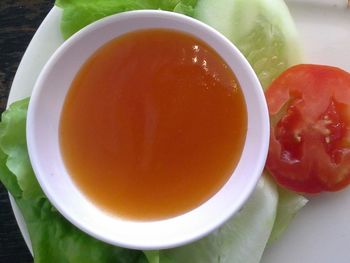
(153, 125)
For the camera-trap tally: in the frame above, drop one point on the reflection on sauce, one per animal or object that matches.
(153, 125)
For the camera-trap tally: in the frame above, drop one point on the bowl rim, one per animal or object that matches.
(32, 139)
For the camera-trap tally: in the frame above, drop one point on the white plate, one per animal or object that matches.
(320, 233)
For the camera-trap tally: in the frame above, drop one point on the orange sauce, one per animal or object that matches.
(153, 125)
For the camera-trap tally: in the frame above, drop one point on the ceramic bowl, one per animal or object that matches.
(43, 137)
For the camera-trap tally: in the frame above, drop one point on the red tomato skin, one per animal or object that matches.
(309, 107)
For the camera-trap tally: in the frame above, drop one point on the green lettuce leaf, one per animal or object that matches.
(186, 7)
(79, 13)
(14, 146)
(8, 179)
(53, 238)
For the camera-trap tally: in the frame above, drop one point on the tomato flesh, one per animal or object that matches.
(310, 129)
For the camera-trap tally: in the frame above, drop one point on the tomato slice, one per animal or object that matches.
(309, 108)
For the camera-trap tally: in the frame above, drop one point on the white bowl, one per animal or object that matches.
(44, 150)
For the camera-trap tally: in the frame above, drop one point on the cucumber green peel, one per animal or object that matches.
(264, 31)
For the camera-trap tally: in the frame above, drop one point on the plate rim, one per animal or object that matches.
(54, 12)
(49, 18)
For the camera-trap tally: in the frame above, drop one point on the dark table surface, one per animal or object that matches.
(19, 20)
